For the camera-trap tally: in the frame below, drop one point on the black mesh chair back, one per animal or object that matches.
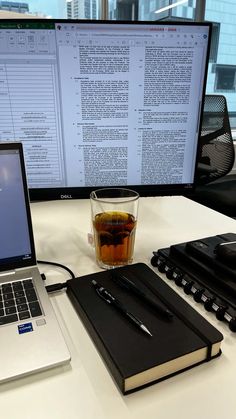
(215, 186)
(216, 154)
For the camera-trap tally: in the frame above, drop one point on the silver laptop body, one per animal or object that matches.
(30, 336)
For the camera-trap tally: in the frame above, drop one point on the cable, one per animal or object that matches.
(59, 265)
(56, 287)
(60, 285)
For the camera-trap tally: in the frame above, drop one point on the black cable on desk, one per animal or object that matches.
(56, 287)
(60, 285)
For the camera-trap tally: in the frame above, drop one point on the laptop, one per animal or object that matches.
(30, 336)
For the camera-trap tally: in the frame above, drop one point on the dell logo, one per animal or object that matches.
(66, 197)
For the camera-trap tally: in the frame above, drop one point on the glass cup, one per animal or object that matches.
(114, 218)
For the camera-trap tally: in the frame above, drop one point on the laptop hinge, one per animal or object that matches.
(7, 273)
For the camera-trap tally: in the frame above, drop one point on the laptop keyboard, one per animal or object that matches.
(18, 301)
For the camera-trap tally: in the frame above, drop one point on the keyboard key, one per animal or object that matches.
(1, 312)
(35, 309)
(9, 303)
(17, 286)
(6, 288)
(8, 296)
(21, 300)
(10, 310)
(31, 294)
(22, 307)
(19, 294)
(24, 315)
(8, 319)
(28, 284)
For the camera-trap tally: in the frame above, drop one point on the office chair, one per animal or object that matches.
(214, 187)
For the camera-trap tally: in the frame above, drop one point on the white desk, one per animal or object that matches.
(84, 388)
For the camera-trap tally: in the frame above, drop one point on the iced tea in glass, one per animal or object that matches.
(114, 219)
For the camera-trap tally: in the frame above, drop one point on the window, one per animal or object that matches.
(222, 63)
(225, 78)
(222, 67)
(214, 42)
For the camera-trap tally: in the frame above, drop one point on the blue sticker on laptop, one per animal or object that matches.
(25, 328)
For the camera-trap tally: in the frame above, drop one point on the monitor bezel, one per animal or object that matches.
(48, 194)
(83, 192)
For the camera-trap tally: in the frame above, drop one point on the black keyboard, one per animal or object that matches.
(18, 301)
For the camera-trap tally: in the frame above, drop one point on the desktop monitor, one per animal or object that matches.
(103, 103)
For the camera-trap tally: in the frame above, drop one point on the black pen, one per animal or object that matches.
(110, 299)
(127, 283)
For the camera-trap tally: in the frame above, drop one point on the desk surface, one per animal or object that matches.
(84, 389)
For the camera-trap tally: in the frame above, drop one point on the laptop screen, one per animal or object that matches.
(15, 222)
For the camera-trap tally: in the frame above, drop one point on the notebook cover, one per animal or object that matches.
(199, 266)
(126, 349)
(205, 258)
(219, 286)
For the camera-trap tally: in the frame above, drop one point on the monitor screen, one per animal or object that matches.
(103, 103)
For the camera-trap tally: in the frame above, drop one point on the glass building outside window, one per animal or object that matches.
(222, 66)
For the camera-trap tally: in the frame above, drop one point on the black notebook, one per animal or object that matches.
(134, 358)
